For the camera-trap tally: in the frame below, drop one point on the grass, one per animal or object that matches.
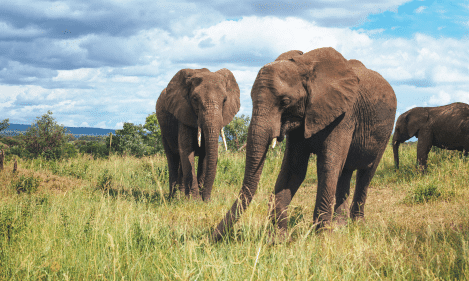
(108, 219)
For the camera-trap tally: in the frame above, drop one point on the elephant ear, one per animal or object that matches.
(331, 84)
(176, 99)
(288, 55)
(416, 119)
(232, 104)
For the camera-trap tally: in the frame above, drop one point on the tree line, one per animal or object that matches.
(46, 138)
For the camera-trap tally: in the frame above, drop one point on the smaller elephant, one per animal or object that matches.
(195, 99)
(442, 126)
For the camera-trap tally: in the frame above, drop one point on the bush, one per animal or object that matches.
(236, 132)
(104, 180)
(27, 184)
(423, 193)
(96, 148)
(45, 137)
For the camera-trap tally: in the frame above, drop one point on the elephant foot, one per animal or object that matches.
(324, 227)
(278, 237)
(359, 218)
(340, 220)
(216, 236)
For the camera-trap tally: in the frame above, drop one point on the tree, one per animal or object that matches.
(130, 139)
(4, 124)
(45, 137)
(236, 131)
(153, 137)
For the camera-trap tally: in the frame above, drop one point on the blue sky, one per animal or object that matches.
(102, 63)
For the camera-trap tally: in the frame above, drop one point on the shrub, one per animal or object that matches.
(27, 184)
(45, 137)
(104, 180)
(236, 132)
(427, 192)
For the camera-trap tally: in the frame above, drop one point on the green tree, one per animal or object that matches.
(131, 139)
(153, 137)
(45, 137)
(4, 124)
(236, 131)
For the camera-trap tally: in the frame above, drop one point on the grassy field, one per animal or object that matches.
(108, 219)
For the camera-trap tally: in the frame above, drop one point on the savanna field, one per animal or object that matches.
(110, 219)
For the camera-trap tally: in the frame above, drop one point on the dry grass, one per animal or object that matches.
(111, 219)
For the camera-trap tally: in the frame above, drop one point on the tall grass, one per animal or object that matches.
(108, 219)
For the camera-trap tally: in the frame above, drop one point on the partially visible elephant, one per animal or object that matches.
(442, 126)
(195, 98)
(337, 109)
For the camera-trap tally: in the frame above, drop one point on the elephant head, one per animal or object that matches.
(407, 126)
(307, 92)
(202, 99)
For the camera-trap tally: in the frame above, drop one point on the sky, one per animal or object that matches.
(102, 63)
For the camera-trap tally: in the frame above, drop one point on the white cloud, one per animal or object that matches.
(101, 125)
(446, 74)
(126, 79)
(119, 126)
(442, 99)
(420, 9)
(80, 74)
(9, 31)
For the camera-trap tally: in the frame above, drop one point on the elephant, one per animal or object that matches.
(441, 126)
(195, 99)
(337, 109)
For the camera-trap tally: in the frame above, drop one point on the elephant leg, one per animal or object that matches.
(330, 163)
(423, 148)
(341, 211)
(173, 166)
(364, 176)
(187, 139)
(179, 182)
(292, 174)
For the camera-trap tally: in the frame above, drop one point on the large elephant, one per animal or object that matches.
(337, 109)
(193, 99)
(442, 126)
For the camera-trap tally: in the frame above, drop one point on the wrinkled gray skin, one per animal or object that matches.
(195, 98)
(337, 109)
(442, 126)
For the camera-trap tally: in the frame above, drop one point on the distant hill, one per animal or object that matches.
(14, 129)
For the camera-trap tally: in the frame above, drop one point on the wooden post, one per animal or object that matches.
(15, 166)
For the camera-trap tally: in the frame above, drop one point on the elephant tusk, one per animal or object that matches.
(223, 138)
(274, 143)
(199, 136)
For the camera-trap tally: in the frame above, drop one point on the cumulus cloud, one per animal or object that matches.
(420, 9)
(441, 99)
(105, 63)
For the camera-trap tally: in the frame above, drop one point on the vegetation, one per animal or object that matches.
(236, 132)
(45, 137)
(110, 218)
(4, 124)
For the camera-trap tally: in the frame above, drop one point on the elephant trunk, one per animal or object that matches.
(395, 148)
(211, 134)
(256, 149)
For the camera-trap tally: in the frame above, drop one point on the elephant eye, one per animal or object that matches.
(224, 100)
(285, 102)
(194, 98)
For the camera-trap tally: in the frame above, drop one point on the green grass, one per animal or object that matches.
(108, 219)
